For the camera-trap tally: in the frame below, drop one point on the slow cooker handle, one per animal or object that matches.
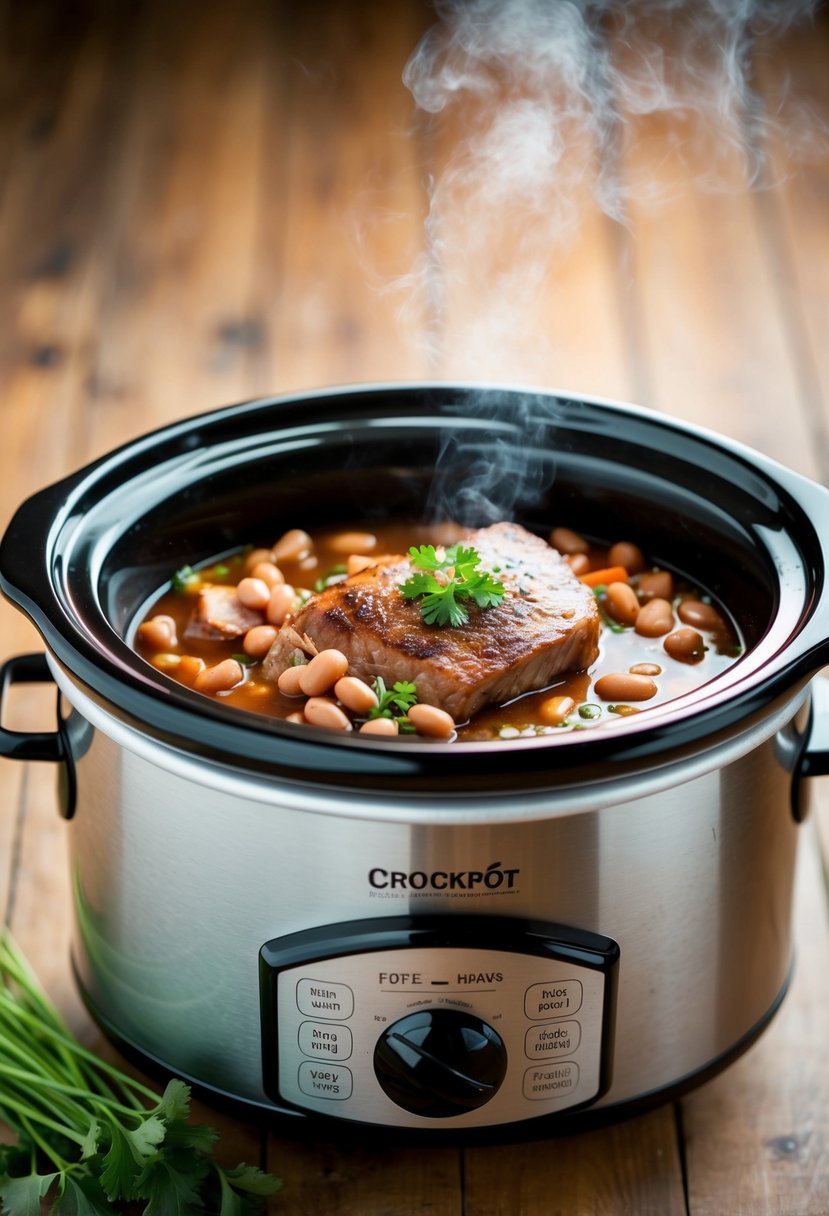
(814, 760)
(28, 745)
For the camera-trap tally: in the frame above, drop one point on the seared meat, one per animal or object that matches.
(546, 624)
(219, 614)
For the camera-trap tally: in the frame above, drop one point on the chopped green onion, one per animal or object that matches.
(183, 578)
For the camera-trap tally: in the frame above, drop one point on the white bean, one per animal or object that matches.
(322, 672)
(292, 546)
(553, 710)
(268, 572)
(253, 593)
(321, 711)
(380, 726)
(353, 542)
(623, 553)
(568, 541)
(258, 641)
(622, 603)
(281, 603)
(356, 695)
(159, 632)
(221, 678)
(625, 686)
(655, 618)
(699, 614)
(288, 681)
(254, 558)
(429, 720)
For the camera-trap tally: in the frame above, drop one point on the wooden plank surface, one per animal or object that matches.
(203, 204)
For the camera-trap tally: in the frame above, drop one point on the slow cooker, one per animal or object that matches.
(466, 940)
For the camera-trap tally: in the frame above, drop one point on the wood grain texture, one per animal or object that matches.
(204, 203)
(760, 1132)
(631, 1169)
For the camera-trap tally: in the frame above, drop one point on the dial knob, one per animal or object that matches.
(440, 1062)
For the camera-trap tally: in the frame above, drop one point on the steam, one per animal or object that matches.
(535, 101)
(506, 462)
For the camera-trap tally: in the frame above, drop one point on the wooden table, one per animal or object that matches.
(202, 203)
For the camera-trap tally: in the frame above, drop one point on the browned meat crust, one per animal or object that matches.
(546, 624)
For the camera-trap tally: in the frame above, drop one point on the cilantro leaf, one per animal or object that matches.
(424, 557)
(102, 1139)
(419, 584)
(175, 1101)
(119, 1167)
(441, 608)
(81, 1196)
(90, 1144)
(22, 1196)
(251, 1180)
(172, 1184)
(464, 559)
(401, 696)
(459, 578)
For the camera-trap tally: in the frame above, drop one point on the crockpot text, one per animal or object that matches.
(492, 878)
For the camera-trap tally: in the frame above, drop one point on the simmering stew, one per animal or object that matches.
(439, 632)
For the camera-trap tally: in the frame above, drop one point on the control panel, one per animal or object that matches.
(466, 1021)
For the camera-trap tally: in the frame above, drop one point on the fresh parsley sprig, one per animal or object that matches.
(394, 702)
(91, 1139)
(461, 580)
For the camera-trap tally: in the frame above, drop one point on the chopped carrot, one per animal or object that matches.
(610, 574)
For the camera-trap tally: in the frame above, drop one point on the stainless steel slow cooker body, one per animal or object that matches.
(451, 940)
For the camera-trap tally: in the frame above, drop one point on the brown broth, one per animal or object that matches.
(620, 648)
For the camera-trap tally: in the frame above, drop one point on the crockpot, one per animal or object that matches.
(453, 940)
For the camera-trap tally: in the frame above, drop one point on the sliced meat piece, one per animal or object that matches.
(546, 624)
(219, 614)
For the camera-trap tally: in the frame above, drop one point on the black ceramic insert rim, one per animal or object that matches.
(57, 563)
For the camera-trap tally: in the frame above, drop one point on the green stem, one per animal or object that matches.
(18, 1087)
(25, 1112)
(31, 1001)
(53, 1088)
(16, 1038)
(45, 1147)
(94, 1066)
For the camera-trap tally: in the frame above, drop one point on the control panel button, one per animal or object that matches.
(334, 1082)
(454, 1021)
(552, 1040)
(440, 1062)
(551, 1081)
(324, 1041)
(322, 999)
(556, 999)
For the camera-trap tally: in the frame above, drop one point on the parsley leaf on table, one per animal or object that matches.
(91, 1138)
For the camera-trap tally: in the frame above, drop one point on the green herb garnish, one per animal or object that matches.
(462, 579)
(89, 1138)
(600, 593)
(182, 578)
(400, 697)
(335, 575)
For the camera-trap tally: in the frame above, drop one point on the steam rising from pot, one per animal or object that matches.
(535, 103)
(533, 109)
